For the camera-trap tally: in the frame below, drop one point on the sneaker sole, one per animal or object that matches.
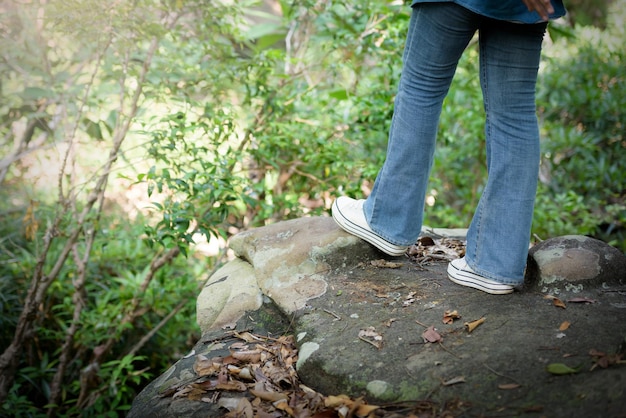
(467, 279)
(366, 235)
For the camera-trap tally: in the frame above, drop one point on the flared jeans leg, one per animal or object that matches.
(499, 234)
(438, 34)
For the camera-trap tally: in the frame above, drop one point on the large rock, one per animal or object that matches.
(359, 320)
(288, 262)
(573, 262)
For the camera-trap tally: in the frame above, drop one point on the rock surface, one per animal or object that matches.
(573, 262)
(360, 322)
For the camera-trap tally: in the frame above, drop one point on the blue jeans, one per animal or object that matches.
(499, 234)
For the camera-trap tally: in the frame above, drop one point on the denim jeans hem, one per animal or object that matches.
(495, 277)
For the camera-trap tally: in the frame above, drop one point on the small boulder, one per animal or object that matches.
(572, 262)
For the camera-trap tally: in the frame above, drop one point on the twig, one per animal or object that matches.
(156, 329)
(450, 352)
(500, 374)
(369, 342)
(333, 314)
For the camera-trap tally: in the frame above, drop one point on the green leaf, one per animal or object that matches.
(93, 129)
(562, 369)
(34, 93)
(341, 94)
(264, 29)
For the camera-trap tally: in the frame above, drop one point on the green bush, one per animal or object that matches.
(119, 265)
(582, 97)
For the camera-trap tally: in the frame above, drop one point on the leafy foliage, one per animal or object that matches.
(582, 97)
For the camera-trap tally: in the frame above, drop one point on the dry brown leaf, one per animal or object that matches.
(204, 366)
(581, 300)
(365, 410)
(269, 395)
(182, 392)
(605, 360)
(222, 376)
(247, 337)
(509, 386)
(283, 406)
(390, 321)
(31, 225)
(430, 335)
(249, 356)
(450, 316)
(555, 301)
(564, 325)
(370, 335)
(237, 407)
(471, 326)
(279, 375)
(333, 401)
(195, 394)
(233, 385)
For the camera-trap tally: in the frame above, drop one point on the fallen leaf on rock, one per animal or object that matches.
(366, 410)
(279, 375)
(471, 326)
(430, 335)
(231, 386)
(268, 395)
(561, 369)
(242, 373)
(247, 337)
(284, 406)
(390, 321)
(204, 366)
(343, 404)
(581, 300)
(369, 335)
(271, 388)
(454, 381)
(385, 264)
(409, 299)
(248, 356)
(333, 401)
(450, 316)
(555, 301)
(564, 325)
(237, 407)
(605, 360)
(196, 394)
(509, 386)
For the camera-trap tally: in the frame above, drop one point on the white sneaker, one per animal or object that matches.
(349, 215)
(460, 273)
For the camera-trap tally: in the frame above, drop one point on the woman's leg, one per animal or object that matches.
(498, 237)
(438, 35)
